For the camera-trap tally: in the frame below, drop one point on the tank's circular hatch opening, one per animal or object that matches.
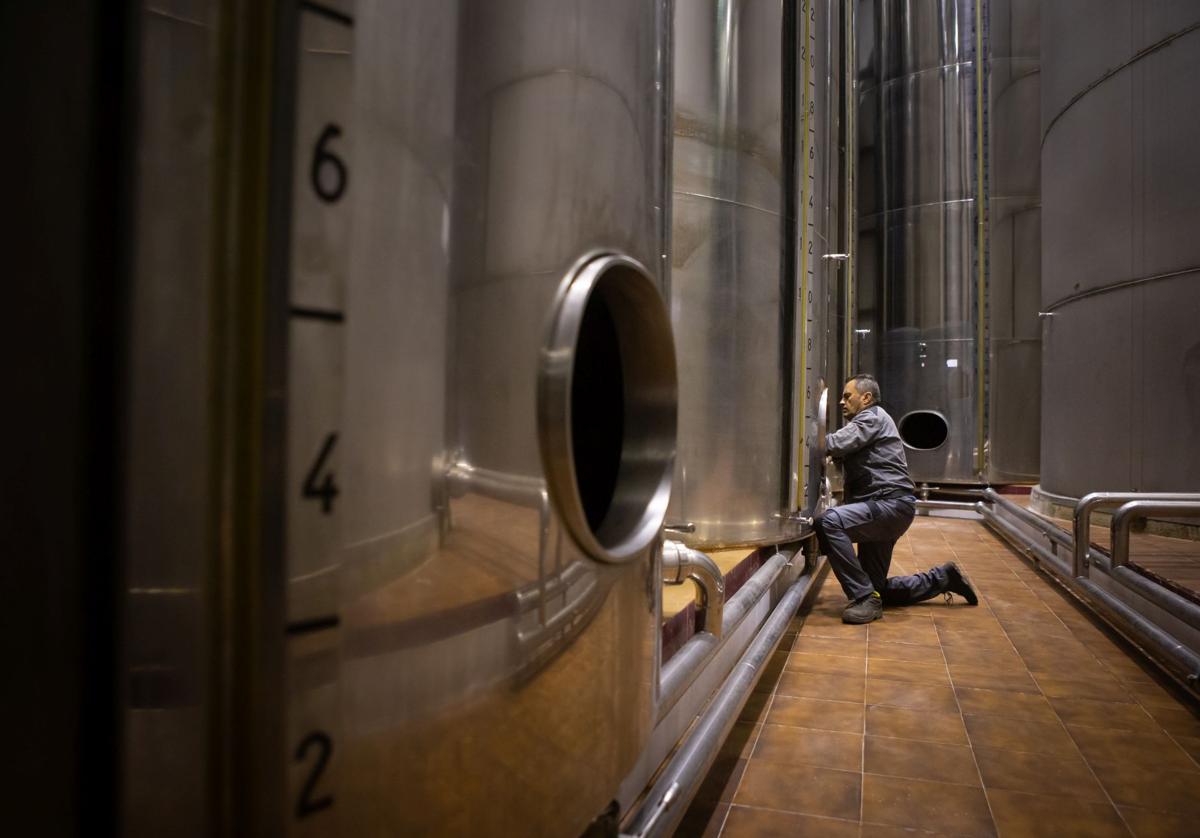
(924, 430)
(606, 407)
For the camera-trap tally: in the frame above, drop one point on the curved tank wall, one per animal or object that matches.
(947, 299)
(1121, 258)
(499, 142)
(742, 298)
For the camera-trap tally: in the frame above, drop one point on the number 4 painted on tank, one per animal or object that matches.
(326, 491)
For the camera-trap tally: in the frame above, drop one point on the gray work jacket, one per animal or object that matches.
(872, 456)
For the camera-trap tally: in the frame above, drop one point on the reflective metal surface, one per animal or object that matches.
(168, 717)
(924, 166)
(740, 296)
(726, 266)
(1121, 260)
(490, 666)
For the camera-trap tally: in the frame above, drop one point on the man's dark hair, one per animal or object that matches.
(865, 383)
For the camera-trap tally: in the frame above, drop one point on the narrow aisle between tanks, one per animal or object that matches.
(1022, 716)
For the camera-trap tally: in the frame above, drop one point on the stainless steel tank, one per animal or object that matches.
(742, 303)
(508, 419)
(948, 231)
(1121, 261)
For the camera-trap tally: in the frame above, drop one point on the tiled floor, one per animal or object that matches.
(1018, 717)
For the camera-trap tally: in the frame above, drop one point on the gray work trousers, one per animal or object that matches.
(875, 526)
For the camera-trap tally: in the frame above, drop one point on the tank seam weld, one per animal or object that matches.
(1137, 56)
(1129, 283)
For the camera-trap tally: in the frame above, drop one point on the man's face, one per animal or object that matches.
(852, 401)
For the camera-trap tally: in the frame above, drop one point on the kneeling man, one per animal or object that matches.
(878, 509)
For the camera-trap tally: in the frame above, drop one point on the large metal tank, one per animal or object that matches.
(742, 302)
(1121, 259)
(948, 231)
(508, 416)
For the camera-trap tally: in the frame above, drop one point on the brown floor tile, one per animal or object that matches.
(1165, 791)
(1065, 657)
(747, 822)
(993, 678)
(1019, 735)
(816, 685)
(827, 664)
(722, 780)
(1101, 690)
(849, 647)
(920, 760)
(878, 830)
(921, 673)
(935, 697)
(803, 746)
(939, 807)
(813, 713)
(740, 741)
(1148, 750)
(1188, 743)
(1107, 714)
(1053, 816)
(703, 820)
(1152, 695)
(806, 789)
(1126, 669)
(980, 702)
(1062, 669)
(980, 643)
(964, 654)
(1037, 773)
(1147, 824)
(917, 632)
(883, 650)
(1177, 722)
(922, 725)
(834, 629)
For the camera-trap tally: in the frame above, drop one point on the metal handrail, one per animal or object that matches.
(1094, 500)
(1135, 510)
(1163, 643)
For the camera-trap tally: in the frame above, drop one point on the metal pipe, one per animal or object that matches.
(463, 478)
(1169, 601)
(679, 780)
(681, 563)
(1124, 517)
(968, 506)
(1094, 500)
(1033, 551)
(681, 670)
(1168, 648)
(1051, 531)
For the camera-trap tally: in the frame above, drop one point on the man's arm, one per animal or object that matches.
(860, 433)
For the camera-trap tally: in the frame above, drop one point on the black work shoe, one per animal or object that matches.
(957, 583)
(866, 610)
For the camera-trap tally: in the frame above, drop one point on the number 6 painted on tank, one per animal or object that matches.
(324, 157)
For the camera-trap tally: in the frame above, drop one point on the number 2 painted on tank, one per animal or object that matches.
(327, 490)
(325, 159)
(306, 806)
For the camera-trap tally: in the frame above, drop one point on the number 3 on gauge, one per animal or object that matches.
(326, 490)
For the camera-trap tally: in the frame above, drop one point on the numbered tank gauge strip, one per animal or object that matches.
(808, 158)
(319, 259)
